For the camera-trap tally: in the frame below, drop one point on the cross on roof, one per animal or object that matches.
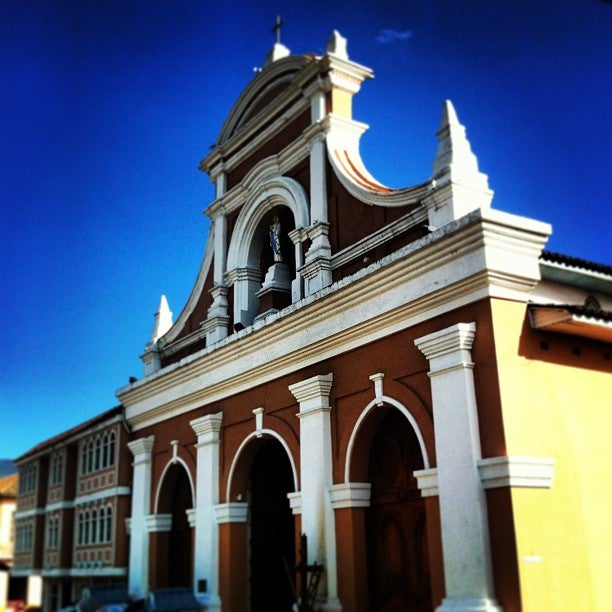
(277, 28)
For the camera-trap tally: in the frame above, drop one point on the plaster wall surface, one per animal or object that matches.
(555, 392)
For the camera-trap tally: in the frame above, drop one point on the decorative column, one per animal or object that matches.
(316, 479)
(206, 567)
(217, 320)
(138, 582)
(317, 271)
(463, 511)
(247, 282)
(297, 236)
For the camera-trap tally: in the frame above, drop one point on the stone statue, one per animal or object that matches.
(274, 232)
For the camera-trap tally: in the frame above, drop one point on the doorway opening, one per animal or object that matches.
(175, 499)
(398, 565)
(271, 529)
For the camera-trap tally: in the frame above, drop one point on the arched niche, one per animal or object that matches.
(250, 263)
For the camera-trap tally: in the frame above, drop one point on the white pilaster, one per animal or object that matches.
(138, 581)
(220, 237)
(316, 478)
(463, 512)
(206, 564)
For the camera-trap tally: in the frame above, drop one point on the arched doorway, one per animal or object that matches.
(271, 529)
(175, 554)
(398, 567)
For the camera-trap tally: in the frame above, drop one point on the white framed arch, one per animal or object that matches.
(170, 463)
(377, 402)
(275, 191)
(258, 434)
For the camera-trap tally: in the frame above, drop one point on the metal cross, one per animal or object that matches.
(277, 28)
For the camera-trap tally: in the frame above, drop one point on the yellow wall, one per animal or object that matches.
(559, 405)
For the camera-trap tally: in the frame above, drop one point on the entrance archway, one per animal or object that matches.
(398, 567)
(175, 554)
(271, 529)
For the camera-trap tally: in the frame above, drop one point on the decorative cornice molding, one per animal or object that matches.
(207, 428)
(156, 523)
(231, 512)
(350, 495)
(437, 273)
(427, 481)
(517, 471)
(103, 494)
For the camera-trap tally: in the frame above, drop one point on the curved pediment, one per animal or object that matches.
(265, 88)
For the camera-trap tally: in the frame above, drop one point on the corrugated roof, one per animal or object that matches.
(575, 262)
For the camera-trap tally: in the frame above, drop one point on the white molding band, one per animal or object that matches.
(427, 481)
(158, 523)
(232, 512)
(295, 502)
(516, 471)
(498, 472)
(351, 495)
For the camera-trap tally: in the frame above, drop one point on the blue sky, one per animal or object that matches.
(107, 107)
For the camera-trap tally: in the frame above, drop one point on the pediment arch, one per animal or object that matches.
(259, 94)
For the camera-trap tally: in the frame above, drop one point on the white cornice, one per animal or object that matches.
(60, 505)
(516, 471)
(440, 272)
(104, 494)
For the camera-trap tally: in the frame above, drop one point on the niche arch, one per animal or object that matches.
(250, 236)
(360, 439)
(174, 462)
(241, 463)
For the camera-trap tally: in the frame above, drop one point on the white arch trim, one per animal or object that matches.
(275, 191)
(378, 401)
(170, 463)
(258, 434)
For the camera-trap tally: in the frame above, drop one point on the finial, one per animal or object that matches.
(163, 320)
(454, 151)
(279, 50)
(277, 28)
(337, 45)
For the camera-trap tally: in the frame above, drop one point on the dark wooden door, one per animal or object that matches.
(271, 526)
(398, 569)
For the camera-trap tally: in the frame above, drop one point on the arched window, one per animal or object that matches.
(105, 450)
(98, 453)
(111, 448)
(53, 532)
(86, 521)
(80, 529)
(94, 527)
(57, 468)
(90, 455)
(101, 525)
(27, 479)
(108, 524)
(84, 457)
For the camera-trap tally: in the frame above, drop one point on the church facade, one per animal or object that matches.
(403, 376)
(371, 367)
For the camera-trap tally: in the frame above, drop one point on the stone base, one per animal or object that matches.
(278, 277)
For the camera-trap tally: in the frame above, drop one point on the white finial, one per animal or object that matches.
(454, 151)
(337, 45)
(163, 320)
(279, 50)
(459, 186)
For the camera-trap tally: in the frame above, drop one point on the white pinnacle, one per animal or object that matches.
(163, 320)
(454, 159)
(337, 45)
